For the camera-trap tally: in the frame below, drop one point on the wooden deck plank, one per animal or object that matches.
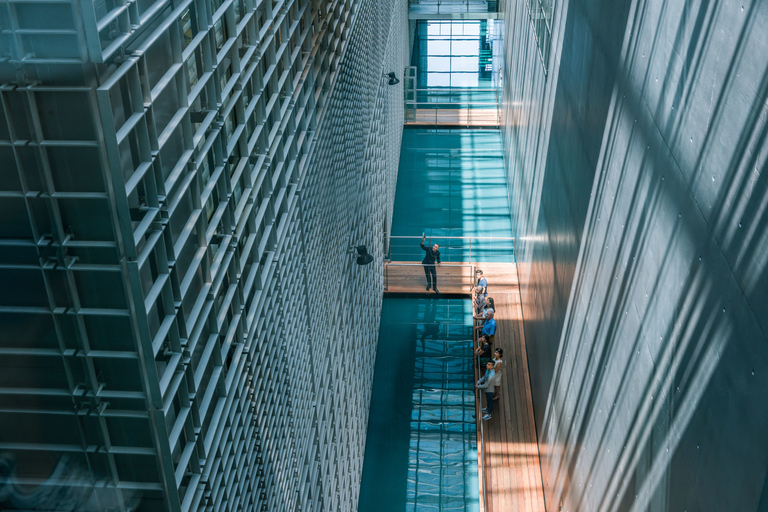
(513, 472)
(535, 466)
(512, 476)
(514, 389)
(505, 501)
(517, 425)
(452, 278)
(503, 442)
(516, 476)
(528, 440)
(486, 117)
(480, 455)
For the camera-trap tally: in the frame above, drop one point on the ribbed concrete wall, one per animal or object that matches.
(637, 171)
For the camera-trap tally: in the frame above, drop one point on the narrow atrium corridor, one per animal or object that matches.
(214, 297)
(424, 431)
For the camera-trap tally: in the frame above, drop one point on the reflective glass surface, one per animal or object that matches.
(421, 451)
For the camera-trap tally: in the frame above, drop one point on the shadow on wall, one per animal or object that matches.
(657, 400)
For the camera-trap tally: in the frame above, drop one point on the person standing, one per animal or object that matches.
(479, 299)
(431, 257)
(483, 350)
(485, 384)
(488, 329)
(480, 281)
(497, 366)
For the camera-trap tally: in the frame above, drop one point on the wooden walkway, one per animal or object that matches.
(512, 467)
(483, 117)
(452, 278)
(510, 448)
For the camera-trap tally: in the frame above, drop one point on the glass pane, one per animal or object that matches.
(465, 47)
(187, 26)
(464, 79)
(438, 63)
(467, 28)
(464, 64)
(439, 28)
(192, 70)
(438, 79)
(440, 47)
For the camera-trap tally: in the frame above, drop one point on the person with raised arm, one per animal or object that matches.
(431, 257)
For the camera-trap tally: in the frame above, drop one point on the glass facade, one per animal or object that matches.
(179, 188)
(421, 452)
(451, 53)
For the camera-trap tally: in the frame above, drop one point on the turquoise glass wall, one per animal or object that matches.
(421, 451)
(452, 183)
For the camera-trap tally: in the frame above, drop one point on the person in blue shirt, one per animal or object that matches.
(481, 281)
(489, 328)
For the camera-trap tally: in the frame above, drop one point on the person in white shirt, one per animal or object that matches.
(497, 366)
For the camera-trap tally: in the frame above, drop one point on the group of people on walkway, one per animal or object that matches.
(485, 328)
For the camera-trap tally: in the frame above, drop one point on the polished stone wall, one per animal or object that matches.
(636, 158)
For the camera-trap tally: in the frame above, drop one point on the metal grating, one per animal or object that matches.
(179, 184)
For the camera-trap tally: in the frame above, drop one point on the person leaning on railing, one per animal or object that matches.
(488, 333)
(489, 305)
(481, 282)
(480, 297)
(482, 316)
(485, 384)
(483, 350)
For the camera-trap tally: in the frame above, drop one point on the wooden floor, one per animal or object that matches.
(452, 278)
(486, 117)
(510, 449)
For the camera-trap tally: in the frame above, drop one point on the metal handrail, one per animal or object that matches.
(482, 438)
(404, 264)
(455, 89)
(430, 238)
(478, 396)
(441, 97)
(447, 264)
(459, 103)
(467, 3)
(478, 410)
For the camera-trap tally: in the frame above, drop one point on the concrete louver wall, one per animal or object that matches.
(182, 326)
(639, 187)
